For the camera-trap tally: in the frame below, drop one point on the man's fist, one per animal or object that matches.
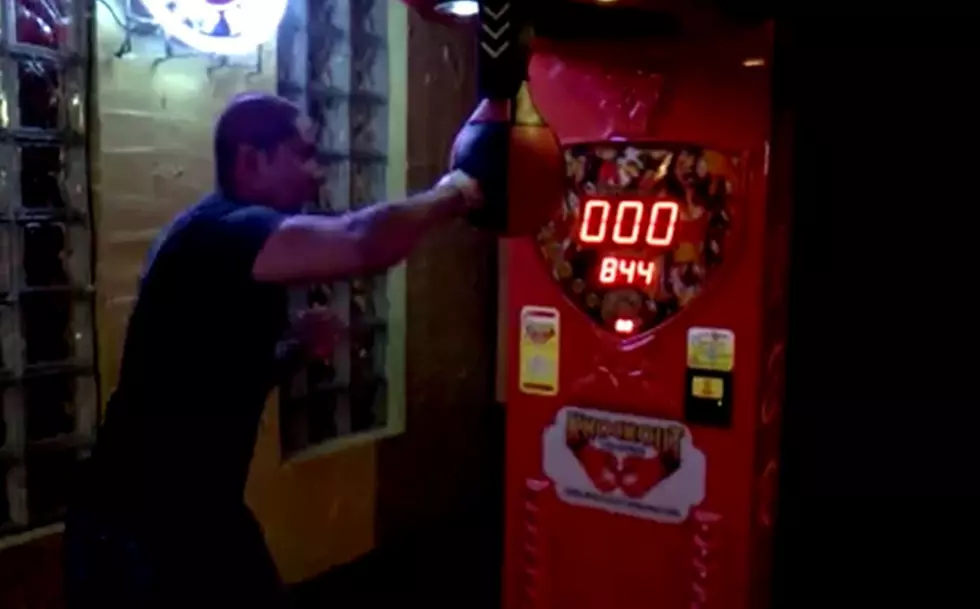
(482, 151)
(518, 163)
(466, 186)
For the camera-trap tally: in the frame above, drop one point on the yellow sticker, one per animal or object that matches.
(540, 329)
(711, 349)
(707, 388)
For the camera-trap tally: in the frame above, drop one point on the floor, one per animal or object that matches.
(425, 571)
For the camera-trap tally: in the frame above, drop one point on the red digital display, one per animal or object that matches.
(640, 229)
(630, 222)
(627, 223)
(615, 270)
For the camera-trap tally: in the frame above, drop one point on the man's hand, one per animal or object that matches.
(468, 188)
(316, 332)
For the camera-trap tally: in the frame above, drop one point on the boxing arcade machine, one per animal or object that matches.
(644, 327)
(644, 301)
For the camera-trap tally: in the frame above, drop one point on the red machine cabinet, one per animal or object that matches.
(644, 332)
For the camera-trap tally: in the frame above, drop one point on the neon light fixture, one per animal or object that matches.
(221, 27)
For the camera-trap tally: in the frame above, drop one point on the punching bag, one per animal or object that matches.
(506, 144)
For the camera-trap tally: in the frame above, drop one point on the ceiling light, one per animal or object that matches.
(459, 8)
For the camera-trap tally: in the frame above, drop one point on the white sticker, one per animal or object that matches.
(638, 466)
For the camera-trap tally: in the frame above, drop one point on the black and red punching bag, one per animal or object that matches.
(506, 144)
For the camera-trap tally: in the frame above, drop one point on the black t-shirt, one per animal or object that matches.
(198, 365)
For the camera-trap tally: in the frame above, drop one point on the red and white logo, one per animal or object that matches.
(638, 466)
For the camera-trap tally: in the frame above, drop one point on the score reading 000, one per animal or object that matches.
(631, 221)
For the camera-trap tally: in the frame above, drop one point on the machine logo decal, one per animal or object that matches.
(540, 327)
(638, 466)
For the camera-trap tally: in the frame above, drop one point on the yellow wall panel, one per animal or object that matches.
(317, 513)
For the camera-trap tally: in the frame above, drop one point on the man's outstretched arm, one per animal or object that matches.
(309, 248)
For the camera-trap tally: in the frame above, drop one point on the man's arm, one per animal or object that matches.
(309, 248)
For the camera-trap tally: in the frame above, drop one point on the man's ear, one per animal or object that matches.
(248, 159)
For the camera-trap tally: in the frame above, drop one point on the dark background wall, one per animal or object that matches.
(438, 515)
(881, 495)
(30, 575)
(435, 468)
(439, 484)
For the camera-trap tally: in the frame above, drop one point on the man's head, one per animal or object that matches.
(264, 152)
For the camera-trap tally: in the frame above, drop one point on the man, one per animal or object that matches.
(161, 520)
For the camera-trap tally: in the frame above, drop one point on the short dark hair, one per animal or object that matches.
(261, 120)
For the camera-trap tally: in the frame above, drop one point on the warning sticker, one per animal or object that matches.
(707, 388)
(711, 349)
(540, 330)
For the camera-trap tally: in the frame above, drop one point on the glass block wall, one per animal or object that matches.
(49, 395)
(338, 68)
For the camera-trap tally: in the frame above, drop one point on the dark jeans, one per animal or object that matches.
(161, 562)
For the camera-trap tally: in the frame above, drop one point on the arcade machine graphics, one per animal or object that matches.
(644, 325)
(625, 156)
